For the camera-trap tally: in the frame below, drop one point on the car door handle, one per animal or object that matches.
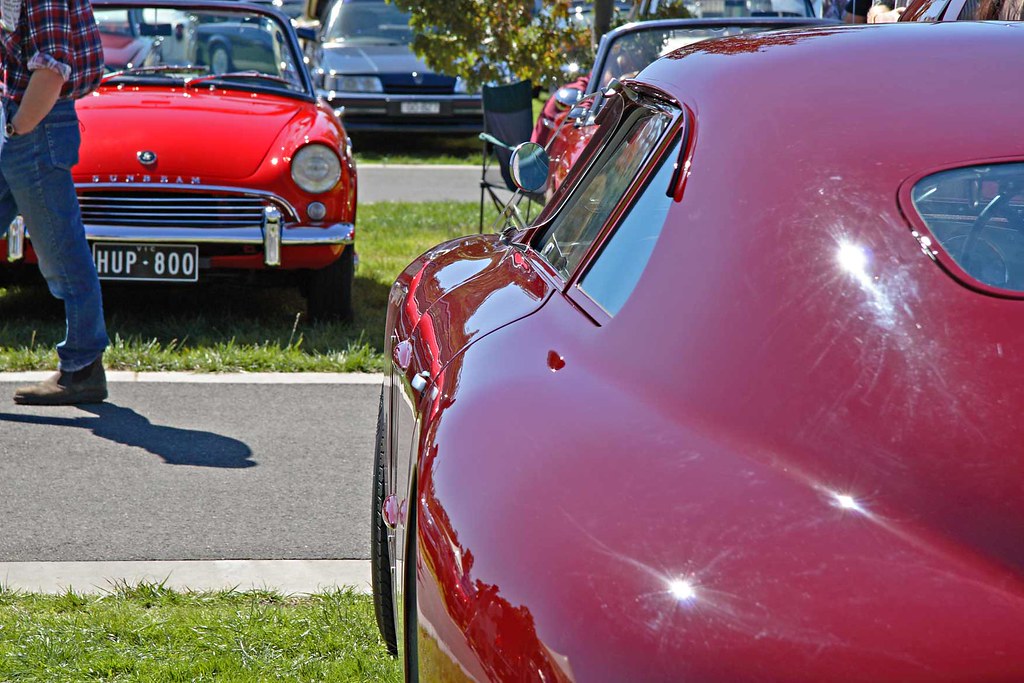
(420, 381)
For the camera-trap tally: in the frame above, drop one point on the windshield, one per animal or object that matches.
(584, 212)
(368, 23)
(713, 9)
(293, 9)
(634, 50)
(158, 44)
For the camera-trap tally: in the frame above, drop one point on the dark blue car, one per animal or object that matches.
(366, 69)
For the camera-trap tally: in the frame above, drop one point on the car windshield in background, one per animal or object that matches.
(634, 50)
(715, 9)
(224, 48)
(365, 23)
(293, 9)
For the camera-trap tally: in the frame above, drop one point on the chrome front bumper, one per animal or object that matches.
(273, 235)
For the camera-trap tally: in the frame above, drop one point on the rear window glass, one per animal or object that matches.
(617, 268)
(977, 216)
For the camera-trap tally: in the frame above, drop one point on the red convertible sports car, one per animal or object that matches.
(208, 154)
(744, 403)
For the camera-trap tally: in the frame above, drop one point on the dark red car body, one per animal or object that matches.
(771, 464)
(565, 139)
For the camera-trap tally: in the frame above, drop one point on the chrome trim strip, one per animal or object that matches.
(16, 240)
(303, 235)
(100, 198)
(83, 192)
(272, 236)
(189, 216)
(381, 98)
(211, 222)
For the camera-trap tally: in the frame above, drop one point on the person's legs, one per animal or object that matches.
(36, 168)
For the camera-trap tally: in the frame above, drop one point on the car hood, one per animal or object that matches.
(374, 59)
(222, 135)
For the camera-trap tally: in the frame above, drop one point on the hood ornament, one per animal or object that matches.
(146, 158)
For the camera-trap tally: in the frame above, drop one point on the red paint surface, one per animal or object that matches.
(767, 466)
(231, 138)
(225, 138)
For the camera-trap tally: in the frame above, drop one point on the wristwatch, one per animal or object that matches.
(9, 129)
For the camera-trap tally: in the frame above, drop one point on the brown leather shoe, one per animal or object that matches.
(88, 385)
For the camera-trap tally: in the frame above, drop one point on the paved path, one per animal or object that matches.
(285, 576)
(409, 183)
(205, 481)
(190, 467)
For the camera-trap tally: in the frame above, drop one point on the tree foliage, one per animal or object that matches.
(502, 41)
(484, 41)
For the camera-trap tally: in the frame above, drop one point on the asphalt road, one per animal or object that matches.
(203, 471)
(189, 472)
(383, 183)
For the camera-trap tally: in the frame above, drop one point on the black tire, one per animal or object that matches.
(380, 556)
(220, 60)
(412, 632)
(330, 289)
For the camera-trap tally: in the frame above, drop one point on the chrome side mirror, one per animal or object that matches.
(568, 97)
(577, 114)
(530, 167)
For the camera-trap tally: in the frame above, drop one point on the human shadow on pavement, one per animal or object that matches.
(176, 446)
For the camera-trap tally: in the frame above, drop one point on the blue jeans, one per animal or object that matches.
(35, 181)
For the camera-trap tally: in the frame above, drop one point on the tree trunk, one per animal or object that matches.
(602, 19)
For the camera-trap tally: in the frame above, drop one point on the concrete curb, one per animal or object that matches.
(421, 167)
(216, 378)
(284, 576)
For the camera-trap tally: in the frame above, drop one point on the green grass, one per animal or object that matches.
(416, 148)
(149, 633)
(214, 327)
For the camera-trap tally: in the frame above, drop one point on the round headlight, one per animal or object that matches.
(316, 168)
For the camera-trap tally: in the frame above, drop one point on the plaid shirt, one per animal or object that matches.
(59, 35)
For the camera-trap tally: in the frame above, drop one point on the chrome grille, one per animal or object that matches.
(171, 209)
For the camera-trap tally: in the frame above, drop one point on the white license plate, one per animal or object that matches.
(146, 262)
(421, 107)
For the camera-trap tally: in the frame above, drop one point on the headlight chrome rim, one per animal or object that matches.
(316, 168)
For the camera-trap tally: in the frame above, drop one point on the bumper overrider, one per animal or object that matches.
(272, 233)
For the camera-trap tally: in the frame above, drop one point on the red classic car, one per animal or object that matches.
(621, 54)
(211, 155)
(743, 403)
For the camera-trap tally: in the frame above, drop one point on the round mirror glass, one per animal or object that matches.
(530, 167)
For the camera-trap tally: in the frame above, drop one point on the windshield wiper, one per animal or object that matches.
(162, 70)
(259, 75)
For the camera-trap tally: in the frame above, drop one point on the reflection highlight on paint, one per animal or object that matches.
(682, 590)
(845, 501)
(855, 260)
